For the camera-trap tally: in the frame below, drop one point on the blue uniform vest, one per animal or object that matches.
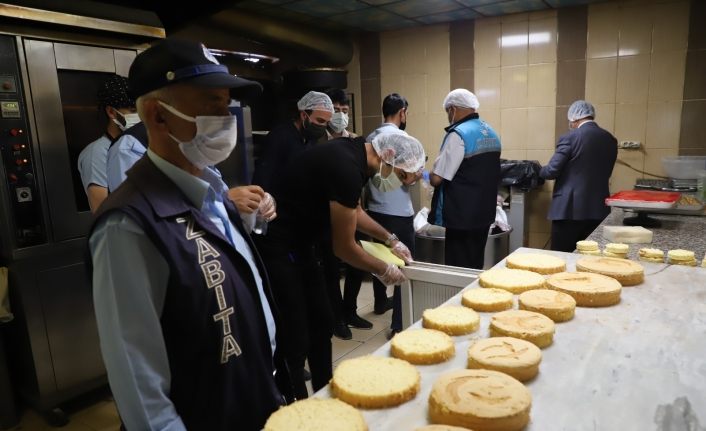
(213, 324)
(468, 201)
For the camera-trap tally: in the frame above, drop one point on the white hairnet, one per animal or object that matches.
(315, 101)
(462, 98)
(580, 109)
(407, 152)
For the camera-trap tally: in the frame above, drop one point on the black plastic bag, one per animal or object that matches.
(523, 174)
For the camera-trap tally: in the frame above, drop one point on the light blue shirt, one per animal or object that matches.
(396, 202)
(126, 151)
(93, 163)
(130, 280)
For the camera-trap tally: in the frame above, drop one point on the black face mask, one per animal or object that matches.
(403, 125)
(313, 131)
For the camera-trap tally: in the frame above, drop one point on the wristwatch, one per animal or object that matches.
(390, 239)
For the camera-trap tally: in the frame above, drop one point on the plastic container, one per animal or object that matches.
(683, 167)
(701, 186)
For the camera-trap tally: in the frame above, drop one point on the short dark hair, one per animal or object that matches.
(392, 104)
(338, 96)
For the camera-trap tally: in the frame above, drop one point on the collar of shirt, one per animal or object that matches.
(585, 122)
(197, 189)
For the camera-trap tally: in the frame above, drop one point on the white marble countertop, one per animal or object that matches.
(609, 368)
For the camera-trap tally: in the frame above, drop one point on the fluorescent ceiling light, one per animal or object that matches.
(524, 39)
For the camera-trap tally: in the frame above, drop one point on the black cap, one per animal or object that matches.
(114, 93)
(174, 61)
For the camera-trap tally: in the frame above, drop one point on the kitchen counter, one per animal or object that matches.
(611, 368)
(677, 231)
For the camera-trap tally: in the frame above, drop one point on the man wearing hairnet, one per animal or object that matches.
(581, 165)
(320, 197)
(465, 177)
(315, 110)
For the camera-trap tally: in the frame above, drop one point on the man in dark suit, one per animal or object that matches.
(582, 165)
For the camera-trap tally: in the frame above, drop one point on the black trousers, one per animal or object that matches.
(565, 233)
(298, 286)
(466, 248)
(403, 227)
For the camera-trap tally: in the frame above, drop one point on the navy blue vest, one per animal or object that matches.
(468, 201)
(212, 321)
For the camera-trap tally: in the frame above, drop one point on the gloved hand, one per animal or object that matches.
(400, 250)
(392, 275)
(267, 208)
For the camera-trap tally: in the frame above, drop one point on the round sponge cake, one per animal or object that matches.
(518, 358)
(588, 289)
(536, 262)
(627, 272)
(489, 299)
(527, 325)
(453, 320)
(314, 414)
(375, 382)
(480, 400)
(441, 428)
(512, 280)
(557, 306)
(422, 346)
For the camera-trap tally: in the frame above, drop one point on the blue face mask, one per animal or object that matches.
(386, 184)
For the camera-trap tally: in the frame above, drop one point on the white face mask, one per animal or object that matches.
(130, 120)
(338, 122)
(215, 138)
(387, 184)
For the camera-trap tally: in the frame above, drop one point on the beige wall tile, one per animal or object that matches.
(418, 126)
(538, 208)
(542, 156)
(437, 51)
(633, 79)
(414, 89)
(671, 26)
(513, 87)
(667, 75)
(624, 178)
(663, 124)
(514, 154)
(487, 44)
(391, 57)
(605, 116)
(353, 69)
(541, 85)
(543, 14)
(653, 160)
(492, 117)
(513, 128)
(539, 240)
(389, 84)
(601, 80)
(438, 86)
(542, 40)
(487, 82)
(635, 31)
(437, 122)
(514, 17)
(603, 28)
(514, 43)
(540, 128)
(630, 121)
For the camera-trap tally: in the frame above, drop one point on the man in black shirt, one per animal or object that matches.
(320, 196)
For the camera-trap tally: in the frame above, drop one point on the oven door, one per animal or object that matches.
(64, 80)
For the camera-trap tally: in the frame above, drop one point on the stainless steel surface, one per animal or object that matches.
(518, 218)
(608, 369)
(81, 57)
(430, 285)
(46, 16)
(429, 246)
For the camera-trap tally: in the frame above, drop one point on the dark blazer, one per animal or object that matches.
(582, 165)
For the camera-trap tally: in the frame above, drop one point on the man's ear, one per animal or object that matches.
(110, 112)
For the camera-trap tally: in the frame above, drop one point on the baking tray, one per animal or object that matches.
(643, 199)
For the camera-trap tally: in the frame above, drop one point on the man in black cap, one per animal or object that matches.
(119, 107)
(187, 324)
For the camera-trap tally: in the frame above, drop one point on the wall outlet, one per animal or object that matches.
(630, 145)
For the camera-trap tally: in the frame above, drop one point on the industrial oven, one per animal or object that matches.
(49, 76)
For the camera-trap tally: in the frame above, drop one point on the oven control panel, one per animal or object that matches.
(16, 153)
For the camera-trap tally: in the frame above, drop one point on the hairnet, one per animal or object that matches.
(314, 100)
(407, 152)
(580, 109)
(114, 93)
(462, 98)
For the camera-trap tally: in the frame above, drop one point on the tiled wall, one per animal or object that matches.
(691, 137)
(353, 76)
(636, 59)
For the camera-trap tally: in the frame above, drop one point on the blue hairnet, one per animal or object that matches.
(580, 109)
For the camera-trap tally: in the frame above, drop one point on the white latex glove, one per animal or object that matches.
(268, 207)
(392, 275)
(400, 250)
